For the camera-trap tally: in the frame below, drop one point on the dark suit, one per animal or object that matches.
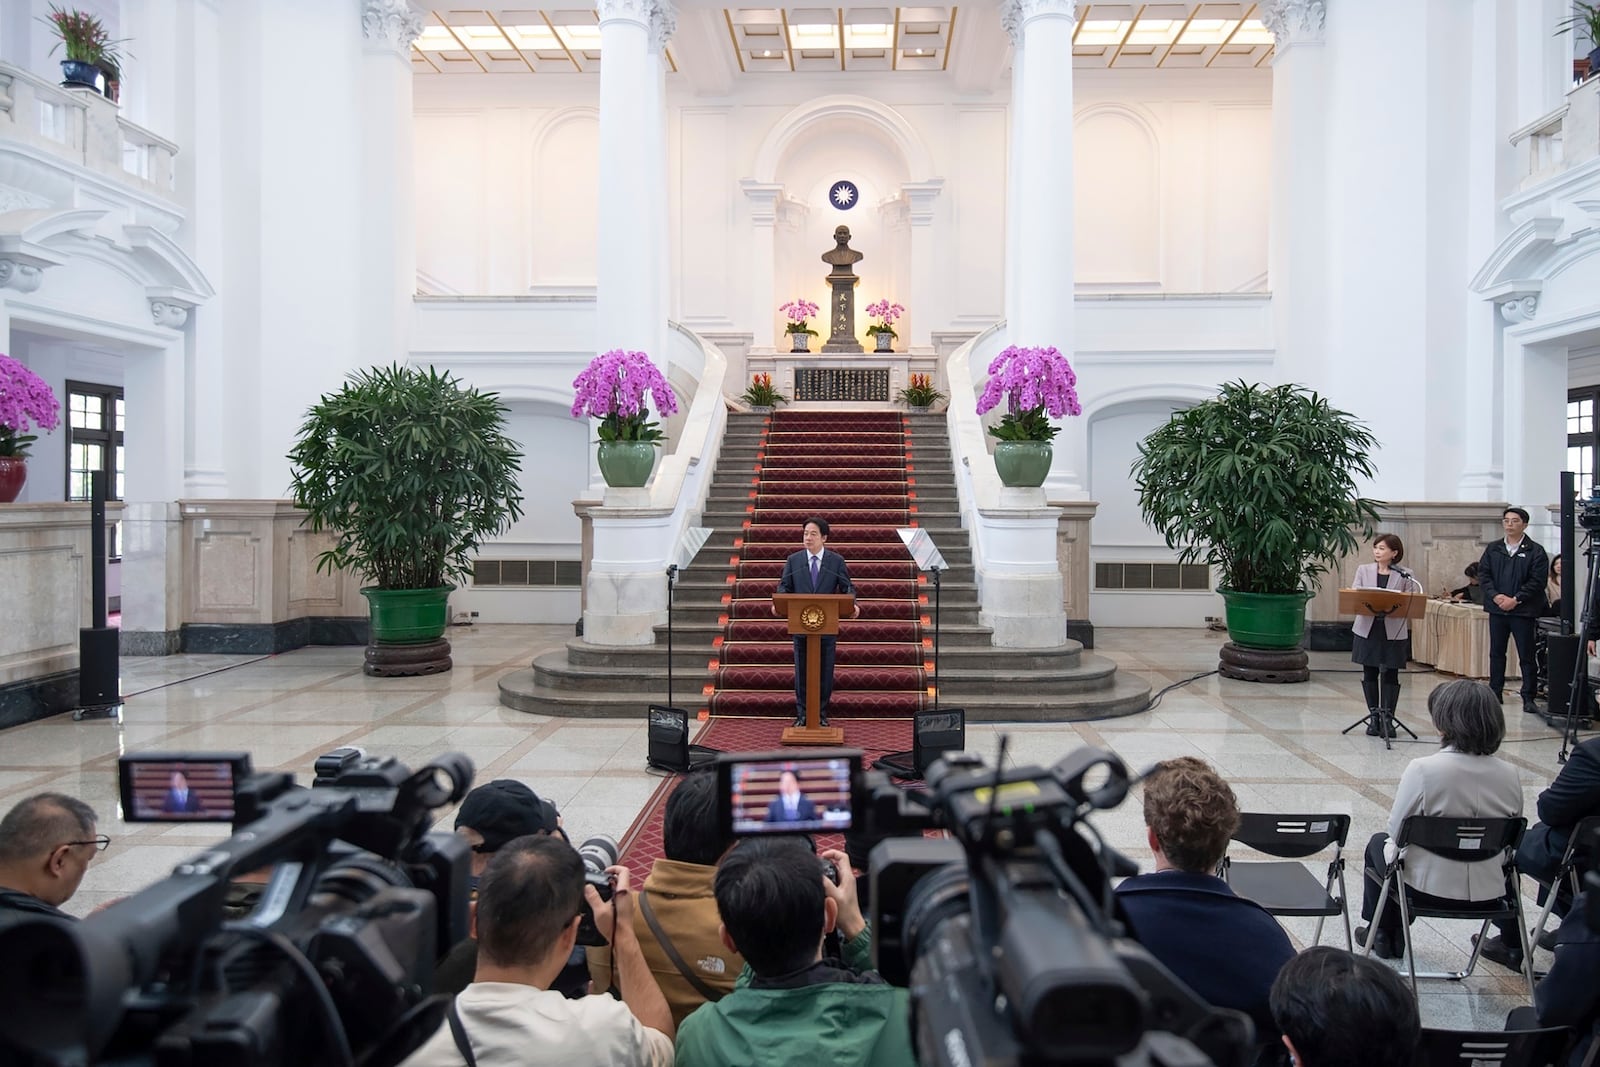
(1570, 994)
(1574, 795)
(1225, 948)
(804, 811)
(832, 577)
(184, 802)
(1523, 576)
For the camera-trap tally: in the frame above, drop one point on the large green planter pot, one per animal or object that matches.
(1265, 620)
(1022, 464)
(408, 616)
(626, 464)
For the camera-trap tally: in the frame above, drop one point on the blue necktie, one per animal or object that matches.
(813, 573)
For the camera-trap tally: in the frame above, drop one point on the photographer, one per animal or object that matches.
(683, 947)
(526, 923)
(791, 1006)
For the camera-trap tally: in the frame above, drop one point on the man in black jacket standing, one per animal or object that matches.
(1513, 573)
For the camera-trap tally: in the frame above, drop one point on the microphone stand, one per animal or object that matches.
(672, 580)
(1577, 691)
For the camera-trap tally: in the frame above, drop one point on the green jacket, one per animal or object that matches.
(834, 1024)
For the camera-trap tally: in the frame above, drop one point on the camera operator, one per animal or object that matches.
(683, 947)
(46, 844)
(1337, 1009)
(790, 1005)
(526, 923)
(1223, 947)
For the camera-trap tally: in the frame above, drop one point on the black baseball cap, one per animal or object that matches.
(503, 810)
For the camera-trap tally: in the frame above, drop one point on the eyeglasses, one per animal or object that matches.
(100, 843)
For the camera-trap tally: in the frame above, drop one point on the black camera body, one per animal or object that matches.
(1006, 930)
(1589, 513)
(359, 901)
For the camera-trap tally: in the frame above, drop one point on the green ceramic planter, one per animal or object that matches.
(626, 464)
(1265, 620)
(408, 616)
(1022, 464)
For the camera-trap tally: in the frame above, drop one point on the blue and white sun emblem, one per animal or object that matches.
(843, 195)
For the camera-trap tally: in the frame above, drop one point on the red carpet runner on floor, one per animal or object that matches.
(853, 470)
(641, 845)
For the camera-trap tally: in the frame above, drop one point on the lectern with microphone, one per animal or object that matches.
(813, 616)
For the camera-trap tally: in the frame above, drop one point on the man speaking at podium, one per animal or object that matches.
(814, 569)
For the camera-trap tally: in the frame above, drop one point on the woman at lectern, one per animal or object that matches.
(1382, 648)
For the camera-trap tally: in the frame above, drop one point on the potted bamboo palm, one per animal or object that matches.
(1260, 482)
(411, 472)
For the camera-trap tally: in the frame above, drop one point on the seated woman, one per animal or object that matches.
(1462, 779)
(1472, 592)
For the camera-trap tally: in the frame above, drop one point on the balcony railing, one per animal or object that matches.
(1565, 138)
(80, 126)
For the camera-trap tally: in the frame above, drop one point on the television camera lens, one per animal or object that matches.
(442, 781)
(598, 852)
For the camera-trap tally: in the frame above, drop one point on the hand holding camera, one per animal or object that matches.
(839, 883)
(612, 909)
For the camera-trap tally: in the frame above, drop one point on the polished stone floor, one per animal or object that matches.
(1280, 746)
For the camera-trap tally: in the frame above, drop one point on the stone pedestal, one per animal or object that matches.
(403, 661)
(1264, 665)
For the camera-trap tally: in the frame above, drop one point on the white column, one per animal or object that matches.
(1298, 236)
(388, 165)
(653, 106)
(924, 261)
(629, 257)
(764, 199)
(1482, 407)
(1011, 22)
(1039, 217)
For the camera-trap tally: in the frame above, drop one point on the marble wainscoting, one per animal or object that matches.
(251, 584)
(45, 583)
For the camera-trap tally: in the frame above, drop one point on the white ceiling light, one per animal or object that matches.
(1208, 31)
(869, 35)
(1253, 33)
(437, 39)
(1101, 32)
(533, 38)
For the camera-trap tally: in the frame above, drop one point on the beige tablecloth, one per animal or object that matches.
(1455, 638)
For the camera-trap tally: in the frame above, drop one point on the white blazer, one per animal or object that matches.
(1367, 578)
(1454, 783)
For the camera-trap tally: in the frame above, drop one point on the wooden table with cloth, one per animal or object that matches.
(1455, 638)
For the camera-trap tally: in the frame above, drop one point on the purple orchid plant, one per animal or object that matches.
(612, 388)
(1034, 382)
(25, 399)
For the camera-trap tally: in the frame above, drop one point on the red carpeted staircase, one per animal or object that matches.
(854, 470)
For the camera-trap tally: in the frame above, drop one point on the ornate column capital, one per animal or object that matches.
(164, 311)
(663, 24)
(1295, 21)
(391, 23)
(1520, 308)
(637, 11)
(1014, 14)
(20, 273)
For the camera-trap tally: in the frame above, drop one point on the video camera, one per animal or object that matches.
(330, 966)
(1007, 932)
(1589, 513)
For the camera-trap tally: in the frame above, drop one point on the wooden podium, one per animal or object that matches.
(813, 616)
(1382, 603)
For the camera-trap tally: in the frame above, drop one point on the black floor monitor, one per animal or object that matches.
(667, 738)
(935, 732)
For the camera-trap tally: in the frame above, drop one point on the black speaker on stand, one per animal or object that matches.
(99, 672)
(667, 746)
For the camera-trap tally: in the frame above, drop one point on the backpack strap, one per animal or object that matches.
(672, 953)
(459, 1032)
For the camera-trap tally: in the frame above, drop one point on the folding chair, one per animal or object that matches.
(1465, 840)
(1580, 845)
(1287, 888)
(1502, 1048)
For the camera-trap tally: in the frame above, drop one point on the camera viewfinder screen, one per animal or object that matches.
(178, 790)
(791, 796)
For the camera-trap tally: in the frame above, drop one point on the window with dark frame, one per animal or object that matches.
(94, 444)
(1583, 436)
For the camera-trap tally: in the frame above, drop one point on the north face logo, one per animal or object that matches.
(713, 964)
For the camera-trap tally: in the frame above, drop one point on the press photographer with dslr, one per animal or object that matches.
(526, 922)
(792, 1006)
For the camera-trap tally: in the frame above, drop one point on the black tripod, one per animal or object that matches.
(1578, 690)
(1382, 717)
